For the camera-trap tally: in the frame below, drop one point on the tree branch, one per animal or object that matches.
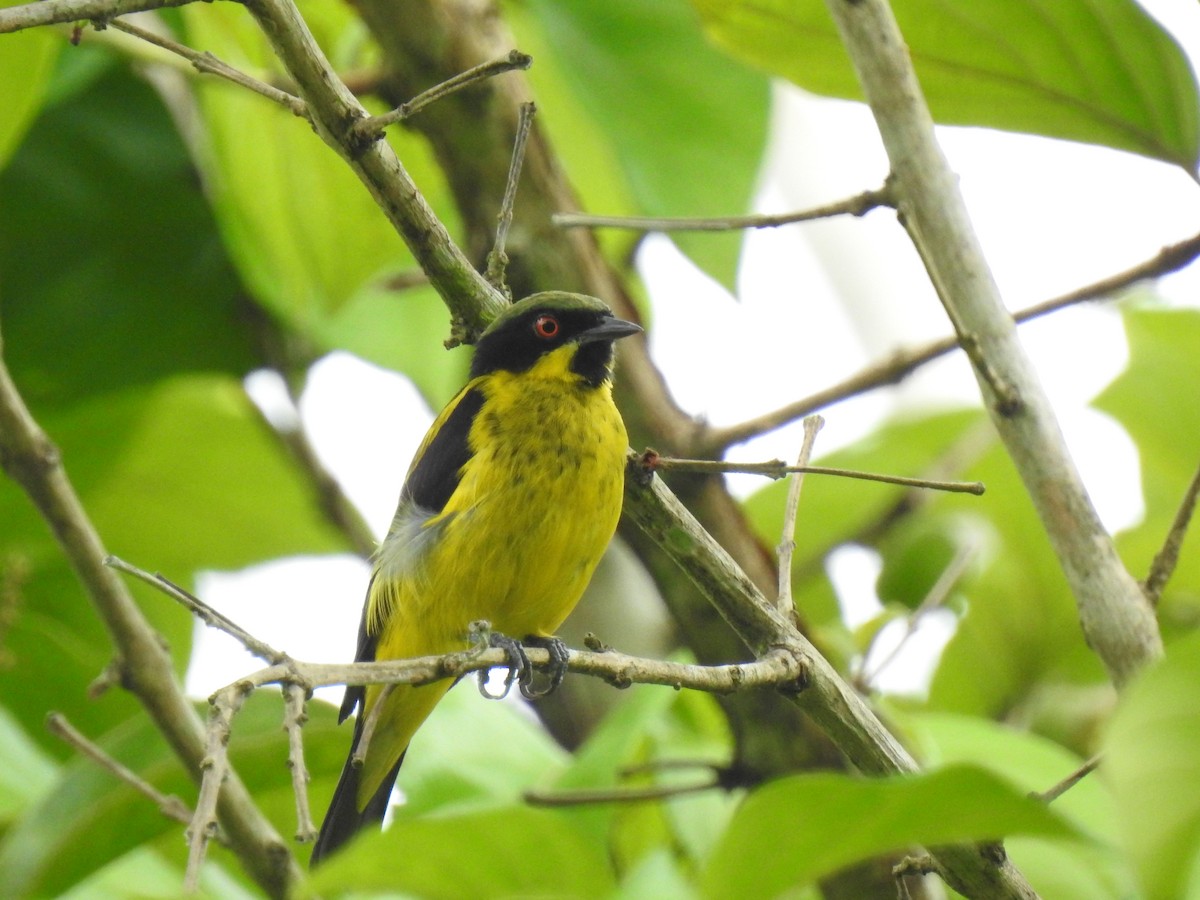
(1117, 620)
(712, 442)
(32, 461)
(858, 205)
(1167, 558)
(335, 112)
(68, 12)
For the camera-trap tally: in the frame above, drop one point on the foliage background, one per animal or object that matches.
(162, 236)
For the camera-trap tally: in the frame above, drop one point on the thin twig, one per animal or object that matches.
(215, 767)
(201, 610)
(498, 259)
(169, 805)
(858, 205)
(68, 12)
(714, 441)
(372, 716)
(787, 542)
(372, 127)
(1167, 558)
(206, 63)
(1053, 793)
(294, 719)
(934, 599)
(777, 468)
(594, 796)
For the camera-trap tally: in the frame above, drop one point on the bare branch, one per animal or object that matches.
(1053, 793)
(206, 63)
(32, 461)
(294, 719)
(498, 258)
(372, 127)
(858, 205)
(1167, 558)
(169, 805)
(1118, 622)
(787, 543)
(777, 468)
(68, 12)
(904, 362)
(215, 767)
(200, 610)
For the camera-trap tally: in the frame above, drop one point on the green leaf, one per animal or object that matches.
(401, 331)
(25, 771)
(175, 479)
(25, 67)
(1057, 869)
(686, 124)
(113, 271)
(817, 824)
(1147, 399)
(1099, 71)
(835, 510)
(510, 852)
(305, 234)
(444, 771)
(1151, 764)
(90, 819)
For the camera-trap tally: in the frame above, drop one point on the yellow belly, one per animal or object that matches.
(517, 542)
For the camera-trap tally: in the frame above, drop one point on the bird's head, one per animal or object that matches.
(544, 323)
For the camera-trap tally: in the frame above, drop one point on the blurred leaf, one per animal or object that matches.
(113, 271)
(25, 67)
(25, 771)
(836, 510)
(686, 124)
(91, 819)
(509, 852)
(445, 772)
(1058, 870)
(177, 478)
(143, 874)
(403, 331)
(1151, 764)
(1100, 71)
(796, 817)
(1162, 416)
(915, 559)
(304, 232)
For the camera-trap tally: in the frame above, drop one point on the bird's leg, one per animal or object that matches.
(557, 670)
(519, 669)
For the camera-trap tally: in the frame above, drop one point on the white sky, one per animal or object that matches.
(818, 302)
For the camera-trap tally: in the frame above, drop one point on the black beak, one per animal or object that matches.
(611, 329)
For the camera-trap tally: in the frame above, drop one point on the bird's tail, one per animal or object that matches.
(345, 819)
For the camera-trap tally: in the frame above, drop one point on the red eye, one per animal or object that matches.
(546, 327)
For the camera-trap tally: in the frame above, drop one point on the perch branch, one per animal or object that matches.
(294, 719)
(1053, 793)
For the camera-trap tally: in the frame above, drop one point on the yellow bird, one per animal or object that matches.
(507, 508)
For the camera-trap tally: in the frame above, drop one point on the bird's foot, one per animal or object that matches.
(519, 669)
(557, 670)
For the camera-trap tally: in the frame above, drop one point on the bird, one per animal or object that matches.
(506, 510)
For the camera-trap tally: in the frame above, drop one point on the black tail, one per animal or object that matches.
(344, 820)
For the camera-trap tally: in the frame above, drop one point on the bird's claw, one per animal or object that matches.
(556, 671)
(520, 670)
